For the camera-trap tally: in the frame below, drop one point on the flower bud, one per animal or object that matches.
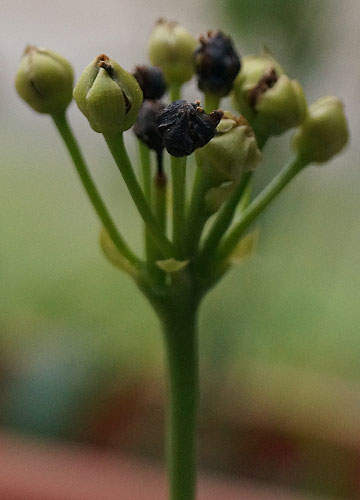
(280, 108)
(109, 96)
(45, 80)
(171, 48)
(146, 128)
(324, 133)
(216, 63)
(186, 127)
(151, 81)
(253, 69)
(268, 99)
(232, 152)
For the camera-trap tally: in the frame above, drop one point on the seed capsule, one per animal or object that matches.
(171, 48)
(324, 133)
(45, 80)
(267, 97)
(231, 152)
(109, 96)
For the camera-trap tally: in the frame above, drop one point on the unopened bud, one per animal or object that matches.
(186, 127)
(253, 70)
(109, 96)
(171, 48)
(45, 80)
(281, 107)
(324, 133)
(151, 81)
(216, 63)
(267, 97)
(146, 127)
(231, 153)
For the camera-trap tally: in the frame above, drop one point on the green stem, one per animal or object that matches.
(118, 151)
(68, 137)
(224, 217)
(159, 196)
(159, 206)
(178, 173)
(246, 197)
(145, 162)
(261, 140)
(212, 102)
(175, 92)
(196, 216)
(258, 205)
(182, 358)
(160, 184)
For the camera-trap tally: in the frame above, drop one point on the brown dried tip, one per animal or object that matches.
(162, 20)
(29, 48)
(103, 62)
(102, 57)
(264, 84)
(217, 115)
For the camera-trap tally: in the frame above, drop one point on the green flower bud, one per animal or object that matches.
(281, 107)
(171, 48)
(231, 153)
(324, 133)
(45, 80)
(253, 69)
(109, 96)
(269, 99)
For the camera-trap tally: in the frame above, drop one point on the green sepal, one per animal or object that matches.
(172, 265)
(245, 248)
(114, 256)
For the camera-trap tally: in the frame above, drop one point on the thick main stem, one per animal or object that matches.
(183, 378)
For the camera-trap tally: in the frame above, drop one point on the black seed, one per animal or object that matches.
(146, 128)
(217, 63)
(151, 81)
(186, 127)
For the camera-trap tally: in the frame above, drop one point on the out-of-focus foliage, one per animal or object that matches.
(285, 26)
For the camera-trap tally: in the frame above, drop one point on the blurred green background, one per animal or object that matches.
(71, 325)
